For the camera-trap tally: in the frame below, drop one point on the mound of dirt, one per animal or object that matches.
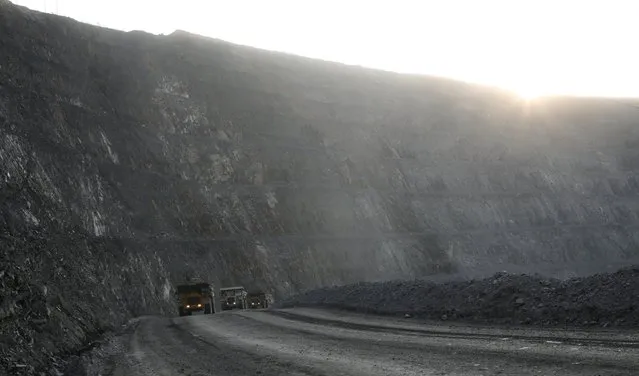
(610, 299)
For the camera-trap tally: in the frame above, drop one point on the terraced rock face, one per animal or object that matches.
(266, 168)
(275, 171)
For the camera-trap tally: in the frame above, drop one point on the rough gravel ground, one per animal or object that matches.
(610, 299)
(319, 342)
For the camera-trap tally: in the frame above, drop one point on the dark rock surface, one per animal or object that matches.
(61, 290)
(128, 161)
(606, 299)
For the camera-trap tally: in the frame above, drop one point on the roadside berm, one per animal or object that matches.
(608, 299)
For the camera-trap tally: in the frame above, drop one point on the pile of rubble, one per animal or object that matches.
(610, 299)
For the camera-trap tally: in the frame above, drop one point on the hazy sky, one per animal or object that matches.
(584, 47)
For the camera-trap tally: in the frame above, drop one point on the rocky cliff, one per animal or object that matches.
(129, 160)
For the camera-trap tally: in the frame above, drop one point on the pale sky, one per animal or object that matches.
(533, 47)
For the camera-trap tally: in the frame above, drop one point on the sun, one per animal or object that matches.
(529, 92)
(530, 87)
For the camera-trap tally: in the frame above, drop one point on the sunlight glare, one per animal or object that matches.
(528, 92)
(531, 47)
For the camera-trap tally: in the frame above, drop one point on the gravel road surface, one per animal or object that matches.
(322, 342)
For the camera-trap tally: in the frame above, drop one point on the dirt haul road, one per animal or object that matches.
(318, 342)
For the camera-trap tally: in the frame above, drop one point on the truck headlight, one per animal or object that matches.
(188, 306)
(199, 305)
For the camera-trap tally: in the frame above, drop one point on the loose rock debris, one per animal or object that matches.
(610, 299)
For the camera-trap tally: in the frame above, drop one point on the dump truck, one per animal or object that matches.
(257, 300)
(195, 297)
(233, 298)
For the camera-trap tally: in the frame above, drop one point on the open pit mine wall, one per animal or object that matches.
(194, 156)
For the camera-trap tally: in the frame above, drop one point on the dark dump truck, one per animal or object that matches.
(257, 300)
(233, 298)
(195, 297)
